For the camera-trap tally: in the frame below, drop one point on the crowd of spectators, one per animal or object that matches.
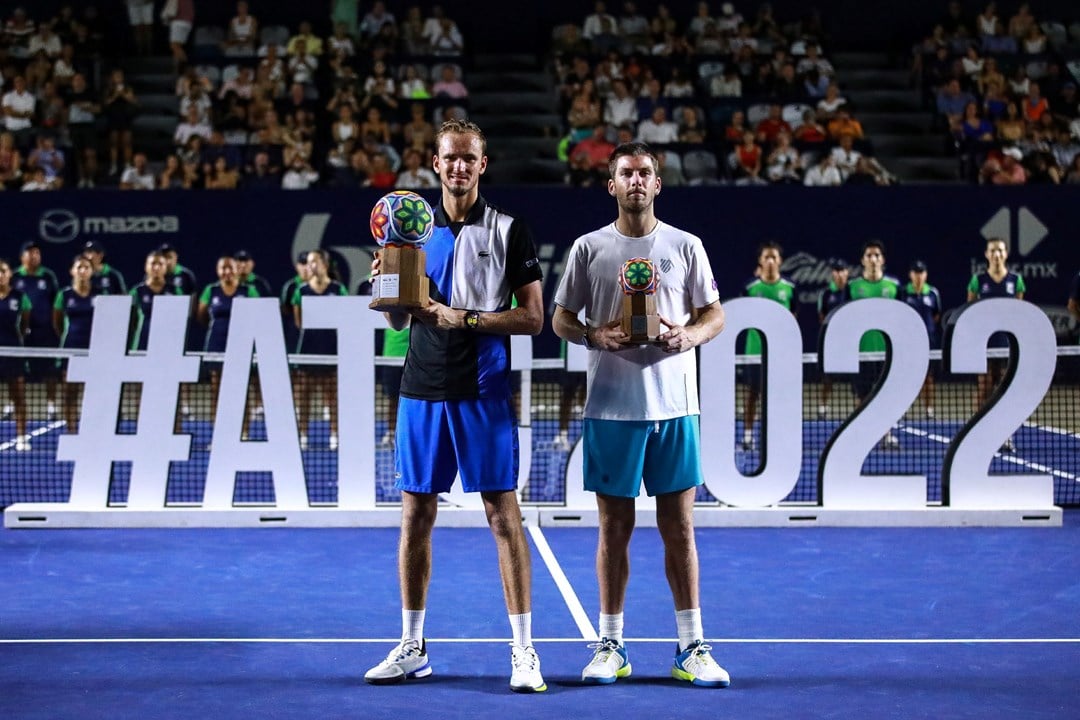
(1002, 92)
(254, 105)
(727, 98)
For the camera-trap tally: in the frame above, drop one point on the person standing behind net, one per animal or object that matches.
(995, 282)
(832, 296)
(925, 299)
(40, 285)
(874, 283)
(73, 314)
(455, 410)
(316, 342)
(14, 322)
(768, 283)
(641, 408)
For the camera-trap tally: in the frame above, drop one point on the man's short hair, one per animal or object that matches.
(461, 127)
(631, 149)
(770, 245)
(872, 244)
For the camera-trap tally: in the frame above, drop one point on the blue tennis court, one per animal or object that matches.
(811, 623)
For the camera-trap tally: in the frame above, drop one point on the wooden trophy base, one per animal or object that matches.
(402, 281)
(639, 319)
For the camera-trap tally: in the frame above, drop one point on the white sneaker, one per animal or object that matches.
(890, 441)
(696, 665)
(22, 444)
(259, 411)
(930, 413)
(326, 413)
(608, 663)
(386, 441)
(50, 411)
(408, 659)
(9, 410)
(185, 411)
(303, 442)
(561, 442)
(822, 411)
(333, 442)
(1008, 446)
(525, 674)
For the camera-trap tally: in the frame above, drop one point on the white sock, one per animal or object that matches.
(611, 627)
(688, 623)
(412, 624)
(521, 627)
(748, 436)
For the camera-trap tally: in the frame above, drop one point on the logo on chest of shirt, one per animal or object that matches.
(1010, 288)
(41, 284)
(927, 301)
(665, 264)
(71, 302)
(13, 305)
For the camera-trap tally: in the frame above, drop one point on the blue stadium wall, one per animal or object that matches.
(944, 226)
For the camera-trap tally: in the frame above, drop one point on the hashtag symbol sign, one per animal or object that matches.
(104, 371)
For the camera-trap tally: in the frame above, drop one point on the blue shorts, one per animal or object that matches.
(620, 454)
(436, 441)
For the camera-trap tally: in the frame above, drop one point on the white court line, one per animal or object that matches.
(1037, 467)
(33, 434)
(716, 641)
(585, 626)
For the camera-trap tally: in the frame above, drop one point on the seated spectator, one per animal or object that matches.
(726, 84)
(449, 85)
(242, 85)
(1034, 106)
(772, 125)
(35, 180)
(1022, 21)
(743, 38)
(845, 156)
(271, 69)
(217, 147)
(787, 88)
(63, 70)
(299, 136)
(341, 42)
(736, 127)
(1033, 43)
(418, 133)
(372, 146)
(411, 32)
(823, 173)
(380, 90)
(374, 124)
(1019, 83)
(784, 163)
(828, 105)
(413, 87)
(299, 175)
(972, 65)
(304, 42)
(601, 30)
(691, 129)
(974, 128)
(1004, 168)
(261, 174)
(221, 176)
(191, 125)
(1000, 43)
(658, 130)
(633, 28)
(354, 174)
(1043, 170)
(620, 108)
(49, 159)
(810, 132)
(1066, 106)
(372, 23)
(584, 113)
(382, 175)
(137, 176)
(446, 40)
(45, 41)
(994, 102)
(663, 22)
(814, 61)
(843, 124)
(296, 99)
(196, 98)
(413, 175)
(301, 68)
(172, 176)
(242, 33)
(866, 172)
(746, 161)
(588, 162)
(11, 162)
(17, 33)
(19, 108)
(815, 85)
(651, 97)
(712, 42)
(1011, 128)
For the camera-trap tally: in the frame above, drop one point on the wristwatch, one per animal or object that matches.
(585, 339)
(472, 319)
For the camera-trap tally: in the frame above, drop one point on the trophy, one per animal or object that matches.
(401, 222)
(638, 279)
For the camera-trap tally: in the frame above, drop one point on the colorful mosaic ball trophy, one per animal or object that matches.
(638, 279)
(401, 222)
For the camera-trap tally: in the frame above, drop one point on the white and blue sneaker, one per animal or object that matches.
(407, 660)
(525, 674)
(696, 665)
(609, 663)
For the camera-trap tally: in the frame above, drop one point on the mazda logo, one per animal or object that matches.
(58, 226)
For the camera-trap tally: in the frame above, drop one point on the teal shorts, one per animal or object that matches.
(620, 454)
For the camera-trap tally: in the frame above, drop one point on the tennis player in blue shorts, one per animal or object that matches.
(455, 413)
(641, 408)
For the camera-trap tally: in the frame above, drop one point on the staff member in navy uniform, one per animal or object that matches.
(925, 299)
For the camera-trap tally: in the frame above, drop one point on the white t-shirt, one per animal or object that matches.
(641, 383)
(19, 102)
